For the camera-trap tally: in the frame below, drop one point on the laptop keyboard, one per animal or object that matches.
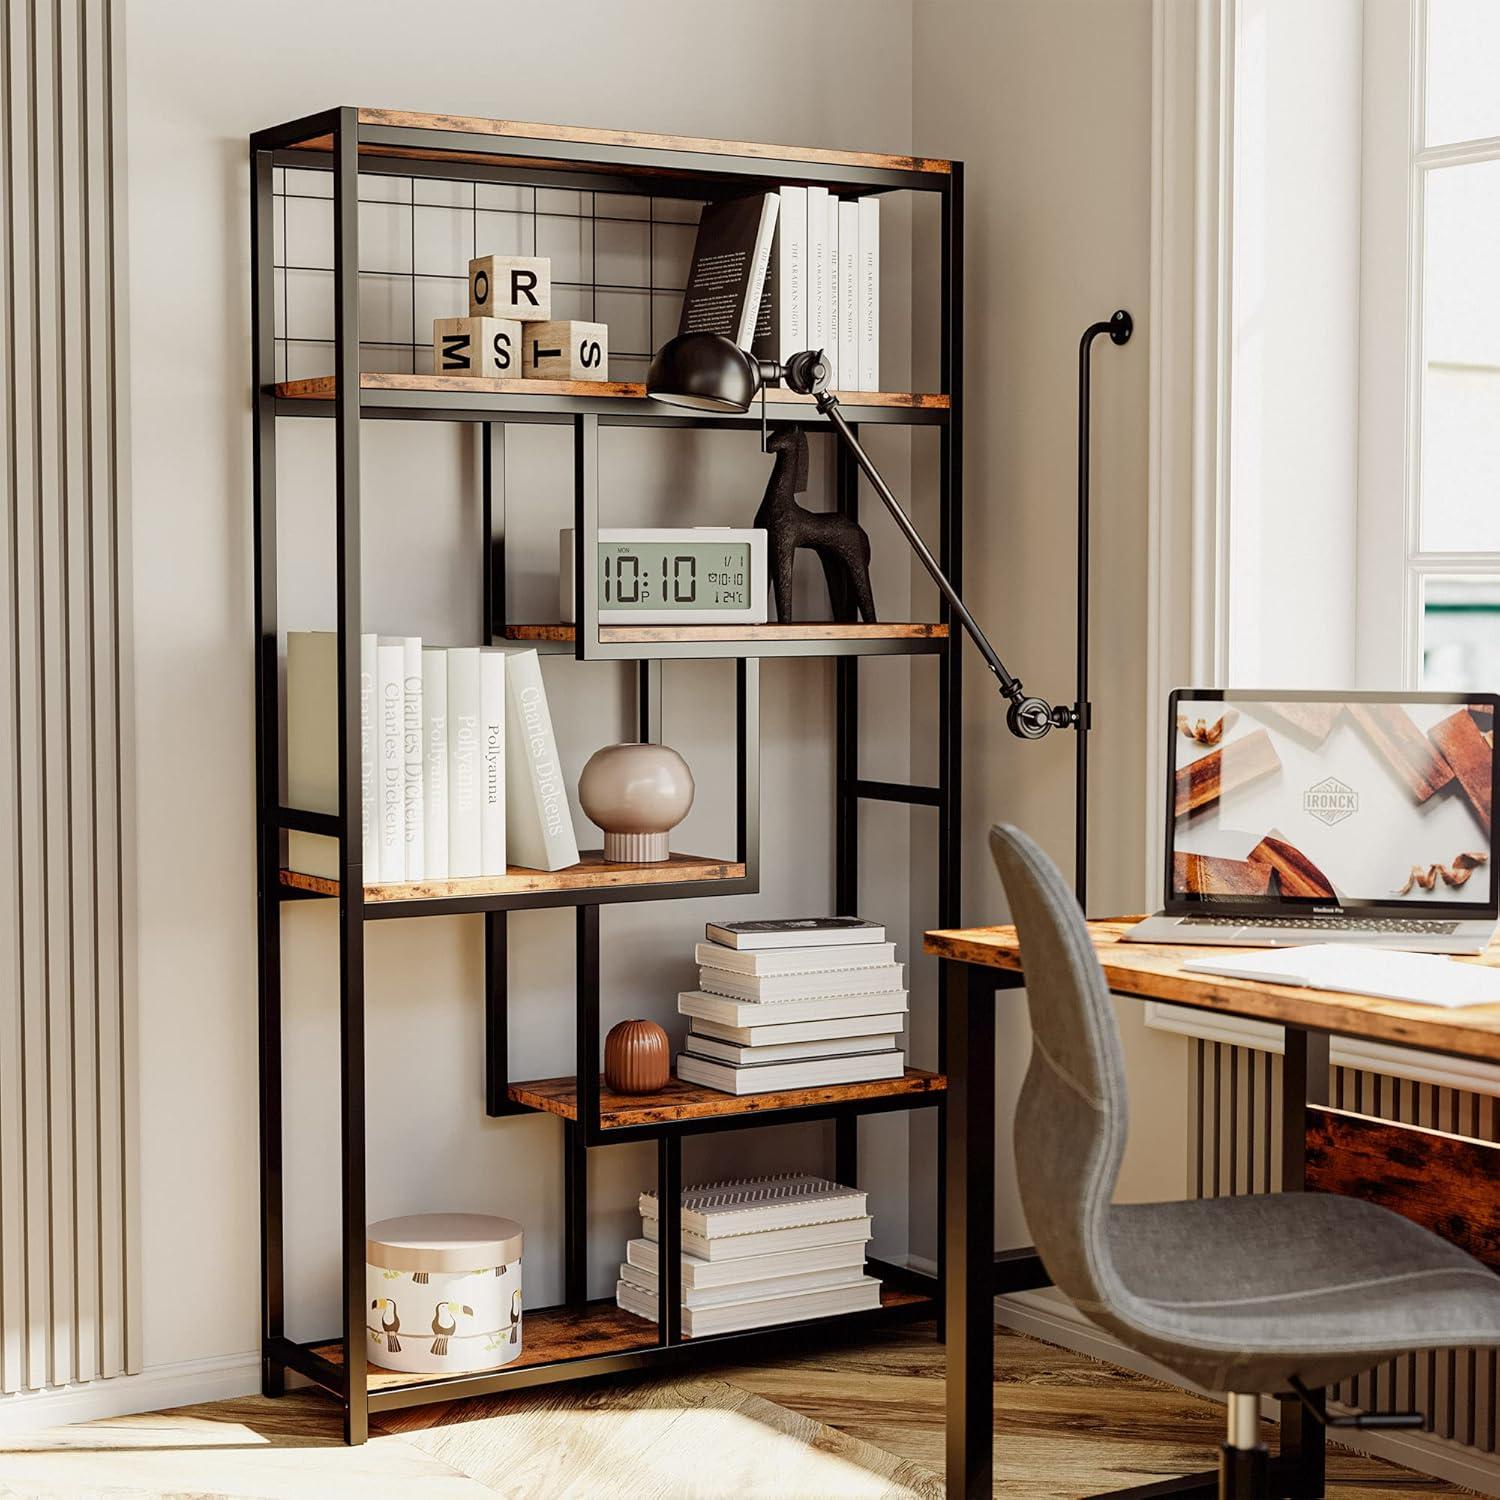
(1405, 925)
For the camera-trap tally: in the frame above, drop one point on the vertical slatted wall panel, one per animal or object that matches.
(1236, 1093)
(67, 1272)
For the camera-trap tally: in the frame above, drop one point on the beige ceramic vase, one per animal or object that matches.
(637, 1058)
(637, 794)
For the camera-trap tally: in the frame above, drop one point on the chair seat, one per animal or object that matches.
(1243, 1293)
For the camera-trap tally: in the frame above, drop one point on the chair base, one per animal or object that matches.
(1220, 1485)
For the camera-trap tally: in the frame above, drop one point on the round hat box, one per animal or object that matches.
(444, 1293)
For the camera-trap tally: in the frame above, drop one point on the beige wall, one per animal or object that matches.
(201, 77)
(1049, 104)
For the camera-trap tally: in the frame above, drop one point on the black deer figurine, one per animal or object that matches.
(840, 541)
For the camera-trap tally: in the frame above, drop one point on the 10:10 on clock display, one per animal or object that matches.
(682, 575)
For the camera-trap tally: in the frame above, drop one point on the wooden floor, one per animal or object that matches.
(862, 1420)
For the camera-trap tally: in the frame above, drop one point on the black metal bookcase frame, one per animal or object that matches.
(348, 141)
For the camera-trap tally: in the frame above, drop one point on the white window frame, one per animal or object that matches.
(1194, 79)
(1397, 166)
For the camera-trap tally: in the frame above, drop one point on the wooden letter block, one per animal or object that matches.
(565, 351)
(511, 286)
(477, 346)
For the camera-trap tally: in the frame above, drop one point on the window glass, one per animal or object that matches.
(1460, 479)
(1461, 634)
(1463, 58)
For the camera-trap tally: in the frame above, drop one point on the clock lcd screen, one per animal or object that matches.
(674, 575)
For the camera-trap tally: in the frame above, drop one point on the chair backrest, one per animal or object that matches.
(1071, 1117)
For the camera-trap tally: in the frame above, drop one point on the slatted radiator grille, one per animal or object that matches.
(1236, 1094)
(67, 1255)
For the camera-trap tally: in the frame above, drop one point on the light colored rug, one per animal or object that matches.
(696, 1439)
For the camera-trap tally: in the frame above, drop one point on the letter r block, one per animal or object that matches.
(518, 287)
(477, 346)
(565, 350)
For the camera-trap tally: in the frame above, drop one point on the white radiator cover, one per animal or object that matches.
(67, 1066)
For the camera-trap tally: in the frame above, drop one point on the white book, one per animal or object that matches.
(869, 294)
(390, 683)
(745, 1291)
(730, 1012)
(778, 1033)
(780, 988)
(770, 1078)
(793, 1307)
(369, 764)
(819, 269)
(539, 822)
(435, 763)
(794, 932)
(742, 1247)
(847, 1255)
(765, 238)
(733, 1052)
(763, 961)
(492, 841)
(312, 743)
(412, 756)
(749, 1205)
(849, 294)
(792, 272)
(832, 330)
(464, 859)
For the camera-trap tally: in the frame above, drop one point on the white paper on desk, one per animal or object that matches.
(1422, 978)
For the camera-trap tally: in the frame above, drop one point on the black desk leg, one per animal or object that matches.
(1304, 1081)
(968, 1312)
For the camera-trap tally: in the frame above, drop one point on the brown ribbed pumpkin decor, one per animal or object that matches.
(637, 1058)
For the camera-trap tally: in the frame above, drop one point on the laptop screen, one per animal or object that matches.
(1305, 802)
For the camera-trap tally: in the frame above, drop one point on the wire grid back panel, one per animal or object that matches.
(617, 258)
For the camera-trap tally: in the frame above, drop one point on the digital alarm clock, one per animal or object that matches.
(699, 575)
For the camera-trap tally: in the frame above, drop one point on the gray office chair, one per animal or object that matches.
(1263, 1295)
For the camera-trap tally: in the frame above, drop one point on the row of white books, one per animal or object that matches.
(784, 271)
(459, 772)
(755, 1253)
(827, 1008)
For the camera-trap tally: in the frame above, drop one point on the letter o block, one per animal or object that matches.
(566, 350)
(518, 287)
(477, 346)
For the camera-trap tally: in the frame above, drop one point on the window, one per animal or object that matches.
(1452, 510)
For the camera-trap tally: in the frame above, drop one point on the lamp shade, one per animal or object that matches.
(703, 370)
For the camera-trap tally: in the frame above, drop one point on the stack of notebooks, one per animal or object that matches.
(800, 1003)
(755, 1253)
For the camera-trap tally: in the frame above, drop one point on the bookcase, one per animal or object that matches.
(578, 1338)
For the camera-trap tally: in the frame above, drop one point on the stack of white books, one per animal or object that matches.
(755, 1253)
(440, 797)
(800, 1003)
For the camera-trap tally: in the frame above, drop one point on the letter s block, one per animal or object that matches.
(565, 350)
(518, 287)
(477, 346)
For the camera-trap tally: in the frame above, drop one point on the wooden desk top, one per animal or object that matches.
(1154, 971)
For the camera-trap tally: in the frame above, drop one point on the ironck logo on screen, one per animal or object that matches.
(1330, 801)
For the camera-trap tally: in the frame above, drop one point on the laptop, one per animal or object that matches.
(1298, 817)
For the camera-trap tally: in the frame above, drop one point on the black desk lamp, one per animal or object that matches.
(710, 373)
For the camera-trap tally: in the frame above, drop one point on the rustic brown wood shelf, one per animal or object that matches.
(592, 873)
(634, 141)
(478, 398)
(592, 1330)
(681, 1102)
(813, 630)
